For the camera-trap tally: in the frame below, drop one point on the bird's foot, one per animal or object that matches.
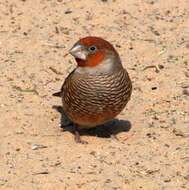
(79, 140)
(78, 137)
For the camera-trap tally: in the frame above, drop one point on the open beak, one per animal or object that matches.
(78, 51)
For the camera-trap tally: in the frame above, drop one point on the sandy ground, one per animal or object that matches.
(152, 150)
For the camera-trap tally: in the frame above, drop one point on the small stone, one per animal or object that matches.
(160, 66)
(167, 180)
(178, 132)
(38, 146)
(185, 92)
(154, 88)
(68, 12)
(108, 181)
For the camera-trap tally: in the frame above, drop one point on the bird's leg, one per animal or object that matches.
(77, 135)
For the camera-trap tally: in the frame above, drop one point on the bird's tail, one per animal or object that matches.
(58, 94)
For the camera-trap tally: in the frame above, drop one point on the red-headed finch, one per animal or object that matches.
(98, 89)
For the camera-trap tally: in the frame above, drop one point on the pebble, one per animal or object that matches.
(37, 146)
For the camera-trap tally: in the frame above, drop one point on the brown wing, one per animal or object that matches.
(60, 93)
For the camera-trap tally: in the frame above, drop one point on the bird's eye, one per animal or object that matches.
(92, 48)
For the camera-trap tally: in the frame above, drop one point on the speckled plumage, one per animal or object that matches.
(90, 100)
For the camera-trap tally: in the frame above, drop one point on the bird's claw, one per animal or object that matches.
(79, 140)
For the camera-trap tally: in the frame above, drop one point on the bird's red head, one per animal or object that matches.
(91, 51)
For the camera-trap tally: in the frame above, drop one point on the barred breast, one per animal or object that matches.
(91, 100)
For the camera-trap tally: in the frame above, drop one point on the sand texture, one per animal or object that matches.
(151, 151)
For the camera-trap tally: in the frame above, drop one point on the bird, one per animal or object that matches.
(98, 89)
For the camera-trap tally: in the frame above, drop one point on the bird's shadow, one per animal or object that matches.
(111, 128)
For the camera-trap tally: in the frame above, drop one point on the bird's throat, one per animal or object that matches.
(91, 61)
(106, 66)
